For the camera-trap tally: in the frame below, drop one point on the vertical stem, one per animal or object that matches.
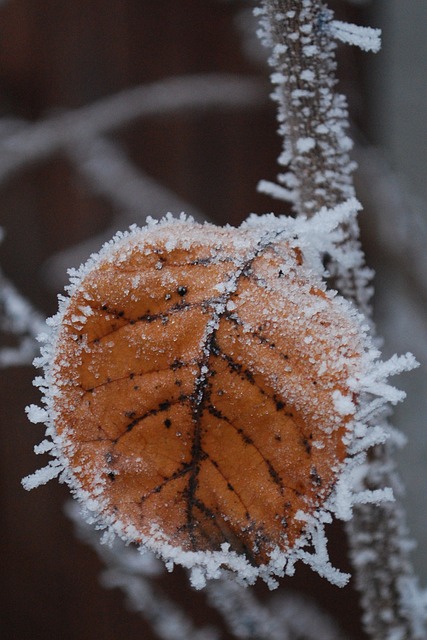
(393, 606)
(313, 123)
(313, 117)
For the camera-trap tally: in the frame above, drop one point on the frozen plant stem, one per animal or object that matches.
(313, 118)
(313, 123)
(393, 606)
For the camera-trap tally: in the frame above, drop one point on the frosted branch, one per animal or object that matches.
(313, 122)
(365, 38)
(305, 620)
(19, 318)
(244, 615)
(313, 118)
(287, 617)
(35, 142)
(133, 573)
(108, 172)
(394, 608)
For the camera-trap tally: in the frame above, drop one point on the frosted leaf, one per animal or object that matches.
(165, 392)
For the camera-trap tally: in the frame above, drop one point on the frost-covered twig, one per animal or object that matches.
(313, 117)
(107, 171)
(305, 620)
(19, 318)
(36, 142)
(287, 617)
(313, 121)
(244, 615)
(313, 124)
(393, 605)
(132, 572)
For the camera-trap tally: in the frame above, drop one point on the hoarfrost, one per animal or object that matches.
(19, 318)
(305, 144)
(366, 38)
(36, 414)
(42, 476)
(343, 404)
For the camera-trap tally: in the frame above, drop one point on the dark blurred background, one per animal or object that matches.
(57, 56)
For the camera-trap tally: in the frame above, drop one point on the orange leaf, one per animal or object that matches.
(197, 372)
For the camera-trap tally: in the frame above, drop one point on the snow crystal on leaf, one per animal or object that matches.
(42, 476)
(343, 404)
(36, 414)
(44, 447)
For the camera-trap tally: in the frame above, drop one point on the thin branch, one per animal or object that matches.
(287, 617)
(243, 614)
(313, 124)
(305, 620)
(393, 605)
(313, 118)
(18, 318)
(133, 572)
(107, 171)
(36, 142)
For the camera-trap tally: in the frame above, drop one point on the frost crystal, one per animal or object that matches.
(365, 38)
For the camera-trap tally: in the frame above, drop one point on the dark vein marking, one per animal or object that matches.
(204, 508)
(249, 441)
(148, 317)
(276, 477)
(307, 445)
(163, 406)
(197, 402)
(186, 468)
(236, 493)
(130, 376)
(237, 367)
(256, 333)
(314, 476)
(201, 397)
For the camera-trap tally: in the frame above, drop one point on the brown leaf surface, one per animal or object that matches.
(195, 388)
